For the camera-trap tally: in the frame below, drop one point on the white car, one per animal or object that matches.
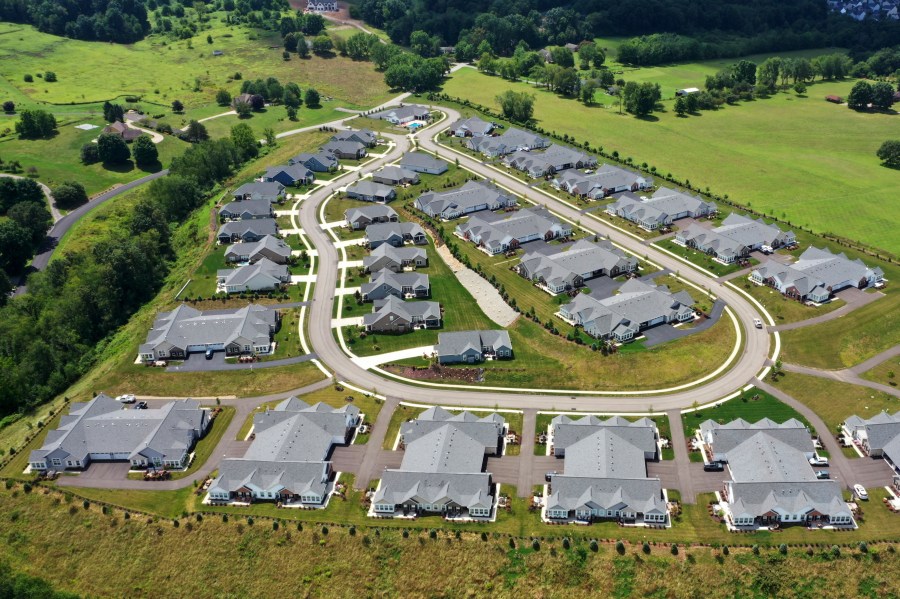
(128, 398)
(818, 461)
(757, 323)
(861, 492)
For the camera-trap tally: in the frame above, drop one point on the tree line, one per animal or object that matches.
(122, 21)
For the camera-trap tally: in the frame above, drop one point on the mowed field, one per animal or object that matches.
(796, 157)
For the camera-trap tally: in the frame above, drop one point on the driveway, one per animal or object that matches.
(854, 298)
(665, 333)
(199, 363)
(108, 471)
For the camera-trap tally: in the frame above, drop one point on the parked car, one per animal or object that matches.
(822, 474)
(128, 398)
(818, 461)
(209, 354)
(860, 491)
(549, 475)
(714, 467)
(141, 405)
(757, 323)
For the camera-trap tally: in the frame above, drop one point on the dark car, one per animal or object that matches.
(141, 405)
(209, 354)
(714, 467)
(549, 475)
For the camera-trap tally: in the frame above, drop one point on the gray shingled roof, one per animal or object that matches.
(401, 112)
(185, 326)
(364, 136)
(367, 187)
(252, 249)
(369, 213)
(485, 430)
(396, 173)
(297, 172)
(469, 490)
(472, 125)
(255, 208)
(393, 306)
(383, 231)
(641, 495)
(276, 273)
(421, 160)
(583, 258)
(258, 226)
(297, 477)
(386, 282)
(388, 256)
(463, 199)
(818, 268)
(260, 190)
(457, 343)
(759, 498)
(725, 437)
(498, 231)
(344, 147)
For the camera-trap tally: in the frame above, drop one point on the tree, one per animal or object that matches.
(383, 54)
(692, 102)
(745, 71)
(424, 45)
(112, 149)
(312, 98)
(9, 107)
(223, 98)
(359, 45)
(586, 54)
(243, 109)
(257, 102)
(34, 218)
(290, 42)
(563, 57)
(640, 99)
(69, 194)
(50, 77)
(800, 88)
(175, 195)
(516, 106)
(680, 106)
(291, 98)
(302, 47)
(144, 151)
(89, 153)
(291, 113)
(322, 45)
(209, 39)
(6, 288)
(34, 124)
(882, 95)
(860, 96)
(196, 132)
(177, 106)
(270, 137)
(889, 153)
(113, 112)
(588, 88)
(244, 141)
(15, 247)
(768, 72)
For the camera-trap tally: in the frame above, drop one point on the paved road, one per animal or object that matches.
(51, 205)
(526, 448)
(845, 376)
(198, 363)
(682, 461)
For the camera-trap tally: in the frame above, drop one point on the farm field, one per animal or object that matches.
(761, 153)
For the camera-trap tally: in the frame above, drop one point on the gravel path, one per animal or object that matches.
(485, 294)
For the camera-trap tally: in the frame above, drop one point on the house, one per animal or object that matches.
(568, 267)
(471, 127)
(241, 99)
(473, 196)
(288, 460)
(687, 91)
(637, 306)
(473, 346)
(402, 115)
(660, 210)
(360, 218)
(395, 175)
(269, 247)
(497, 233)
(546, 55)
(604, 472)
(772, 480)
(420, 162)
(290, 175)
(878, 436)
(246, 230)
(263, 275)
(320, 162)
(735, 239)
(322, 6)
(388, 257)
(554, 159)
(817, 275)
(363, 136)
(185, 330)
(442, 468)
(393, 315)
(369, 191)
(246, 210)
(100, 430)
(395, 234)
(129, 134)
(510, 141)
(387, 283)
(347, 149)
(606, 180)
(271, 191)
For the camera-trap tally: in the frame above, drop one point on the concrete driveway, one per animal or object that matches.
(664, 333)
(108, 471)
(199, 363)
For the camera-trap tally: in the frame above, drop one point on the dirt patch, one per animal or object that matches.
(488, 298)
(436, 373)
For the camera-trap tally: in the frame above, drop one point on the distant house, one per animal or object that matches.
(569, 267)
(362, 217)
(473, 196)
(370, 191)
(420, 162)
(817, 275)
(659, 211)
(395, 175)
(246, 210)
(687, 91)
(401, 115)
(263, 275)
(395, 234)
(186, 330)
(347, 149)
(393, 315)
(246, 230)
(388, 257)
(259, 190)
(320, 162)
(100, 430)
(218, 53)
(473, 346)
(497, 233)
(363, 136)
(268, 247)
(241, 99)
(554, 159)
(119, 128)
(606, 180)
(471, 127)
(290, 175)
(735, 239)
(510, 141)
(386, 283)
(322, 6)
(546, 55)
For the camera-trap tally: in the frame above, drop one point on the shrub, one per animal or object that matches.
(29, 78)
(536, 545)
(566, 543)
(49, 76)
(674, 549)
(863, 547)
(782, 549)
(324, 530)
(646, 547)
(620, 547)
(594, 546)
(9, 107)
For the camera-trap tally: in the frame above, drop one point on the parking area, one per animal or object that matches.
(665, 333)
(98, 471)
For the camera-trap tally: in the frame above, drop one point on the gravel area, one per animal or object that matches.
(484, 293)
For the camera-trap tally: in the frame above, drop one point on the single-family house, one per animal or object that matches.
(101, 430)
(473, 196)
(442, 468)
(605, 181)
(370, 191)
(637, 306)
(395, 175)
(320, 162)
(510, 141)
(246, 230)
(403, 114)
(364, 136)
(395, 234)
(346, 149)
(422, 162)
(561, 269)
(388, 257)
(290, 175)
(496, 233)
(385, 283)
(817, 275)
(186, 330)
(269, 247)
(129, 134)
(393, 315)
(241, 99)
(473, 346)
(322, 6)
(687, 91)
(246, 210)
(735, 239)
(362, 217)
(263, 275)
(471, 127)
(271, 191)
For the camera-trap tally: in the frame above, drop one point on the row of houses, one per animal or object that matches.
(496, 233)
(473, 196)
(661, 209)
(510, 141)
(563, 268)
(554, 159)
(735, 238)
(878, 437)
(606, 180)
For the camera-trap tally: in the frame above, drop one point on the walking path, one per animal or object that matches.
(857, 301)
(376, 441)
(51, 205)
(845, 376)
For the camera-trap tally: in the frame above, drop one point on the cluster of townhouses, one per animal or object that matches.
(558, 269)
(496, 233)
(661, 209)
(861, 10)
(606, 180)
(605, 472)
(288, 460)
(100, 430)
(473, 196)
(249, 216)
(772, 481)
(403, 115)
(510, 141)
(735, 238)
(443, 465)
(552, 160)
(878, 436)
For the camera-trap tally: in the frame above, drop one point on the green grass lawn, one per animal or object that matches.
(885, 373)
(834, 400)
(400, 415)
(276, 118)
(700, 259)
(207, 444)
(785, 310)
(752, 405)
(203, 281)
(287, 337)
(749, 152)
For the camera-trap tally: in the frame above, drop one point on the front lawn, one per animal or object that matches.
(702, 260)
(785, 310)
(205, 446)
(752, 406)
